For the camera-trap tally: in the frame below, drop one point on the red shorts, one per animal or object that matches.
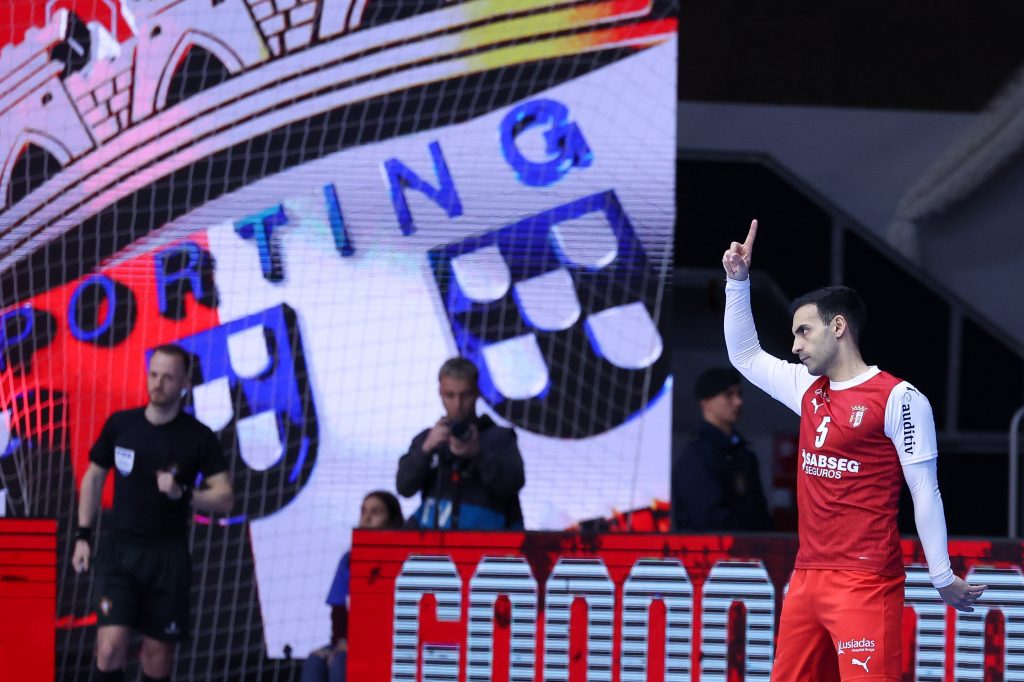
(840, 625)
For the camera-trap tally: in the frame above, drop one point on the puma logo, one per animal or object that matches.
(863, 664)
(820, 393)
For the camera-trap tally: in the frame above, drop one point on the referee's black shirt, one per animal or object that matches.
(136, 450)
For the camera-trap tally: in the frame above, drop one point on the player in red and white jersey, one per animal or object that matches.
(862, 433)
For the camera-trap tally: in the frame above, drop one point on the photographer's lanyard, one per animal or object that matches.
(456, 492)
(437, 489)
(450, 519)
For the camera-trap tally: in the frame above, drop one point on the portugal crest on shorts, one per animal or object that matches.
(105, 605)
(857, 416)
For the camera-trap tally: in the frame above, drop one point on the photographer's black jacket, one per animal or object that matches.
(475, 493)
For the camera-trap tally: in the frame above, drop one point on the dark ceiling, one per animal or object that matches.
(944, 55)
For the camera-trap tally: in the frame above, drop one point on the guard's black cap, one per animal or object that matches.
(714, 381)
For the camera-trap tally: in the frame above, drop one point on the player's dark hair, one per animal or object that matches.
(178, 352)
(832, 301)
(460, 368)
(395, 518)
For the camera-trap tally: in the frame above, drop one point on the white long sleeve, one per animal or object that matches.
(922, 479)
(784, 381)
(910, 424)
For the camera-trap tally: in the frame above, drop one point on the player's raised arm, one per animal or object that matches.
(736, 259)
(784, 381)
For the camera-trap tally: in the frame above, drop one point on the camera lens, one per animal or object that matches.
(461, 430)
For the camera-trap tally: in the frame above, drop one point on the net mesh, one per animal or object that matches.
(321, 200)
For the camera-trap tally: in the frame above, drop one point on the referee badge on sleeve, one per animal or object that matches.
(124, 460)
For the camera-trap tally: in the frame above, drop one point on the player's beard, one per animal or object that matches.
(819, 367)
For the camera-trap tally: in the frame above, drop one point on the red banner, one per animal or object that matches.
(622, 608)
(28, 598)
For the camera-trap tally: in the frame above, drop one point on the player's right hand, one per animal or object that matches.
(736, 259)
(960, 595)
(80, 557)
(437, 435)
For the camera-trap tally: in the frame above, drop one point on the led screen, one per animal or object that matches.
(322, 201)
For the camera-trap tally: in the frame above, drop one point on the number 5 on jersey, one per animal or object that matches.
(822, 431)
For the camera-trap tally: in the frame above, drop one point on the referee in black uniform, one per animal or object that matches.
(143, 569)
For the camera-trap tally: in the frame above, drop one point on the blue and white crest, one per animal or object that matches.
(558, 312)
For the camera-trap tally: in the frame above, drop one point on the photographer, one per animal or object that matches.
(467, 469)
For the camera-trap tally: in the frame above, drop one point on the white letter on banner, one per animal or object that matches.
(930, 632)
(667, 580)
(747, 582)
(496, 576)
(1005, 593)
(587, 578)
(422, 575)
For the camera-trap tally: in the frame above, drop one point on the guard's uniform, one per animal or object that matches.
(842, 615)
(143, 569)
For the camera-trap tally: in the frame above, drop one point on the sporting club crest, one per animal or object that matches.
(557, 311)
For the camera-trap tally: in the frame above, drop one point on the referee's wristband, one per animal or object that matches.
(84, 533)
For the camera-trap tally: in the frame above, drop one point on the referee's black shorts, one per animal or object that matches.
(144, 584)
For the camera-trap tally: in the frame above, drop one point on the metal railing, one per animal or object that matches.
(1013, 512)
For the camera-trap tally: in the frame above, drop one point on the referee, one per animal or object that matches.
(143, 569)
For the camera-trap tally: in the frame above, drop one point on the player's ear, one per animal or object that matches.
(839, 326)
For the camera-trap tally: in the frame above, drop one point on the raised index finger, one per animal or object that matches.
(749, 243)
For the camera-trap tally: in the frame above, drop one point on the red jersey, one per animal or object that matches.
(856, 437)
(849, 478)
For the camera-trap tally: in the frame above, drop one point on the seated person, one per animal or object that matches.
(380, 510)
(466, 469)
(716, 483)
